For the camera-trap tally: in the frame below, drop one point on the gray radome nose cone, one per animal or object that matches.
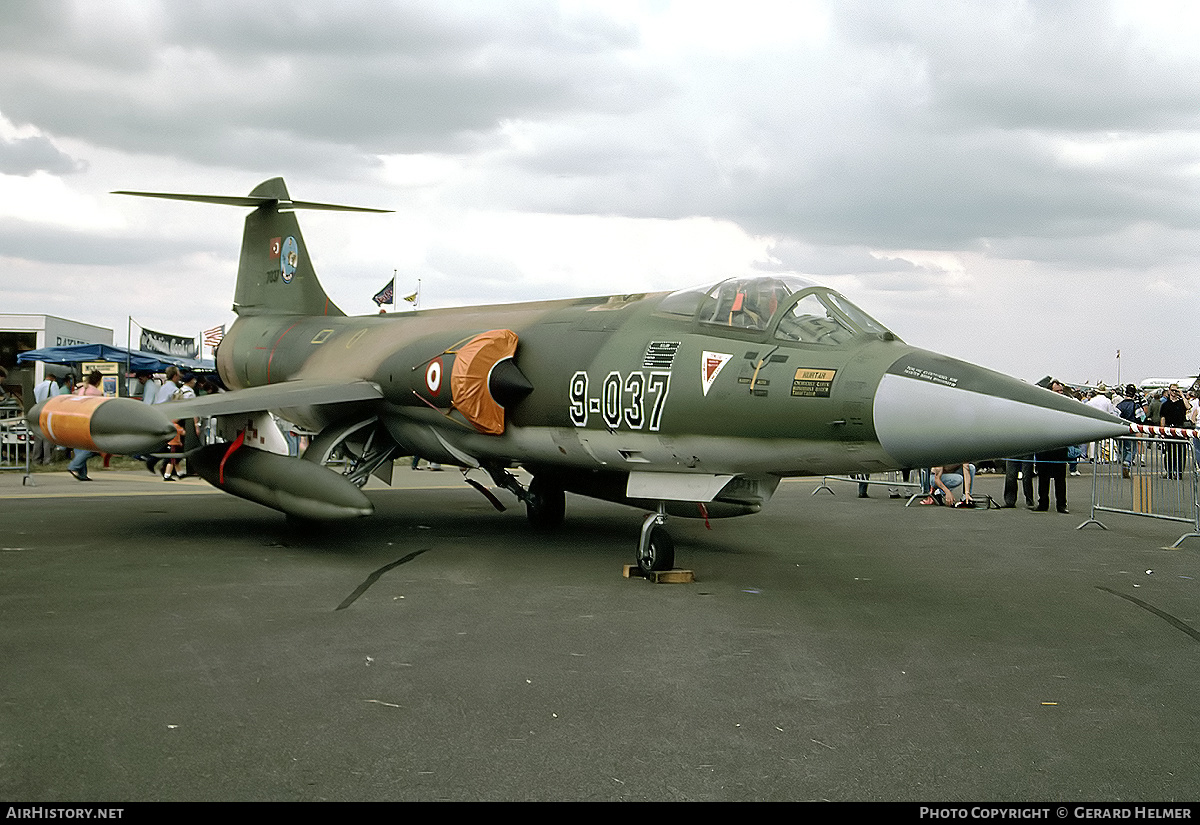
(931, 410)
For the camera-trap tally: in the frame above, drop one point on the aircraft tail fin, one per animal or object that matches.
(275, 274)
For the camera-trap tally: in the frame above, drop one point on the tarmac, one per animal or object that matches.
(163, 641)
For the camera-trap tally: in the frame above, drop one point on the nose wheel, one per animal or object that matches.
(656, 548)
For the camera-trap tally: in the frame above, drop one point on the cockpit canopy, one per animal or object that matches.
(790, 308)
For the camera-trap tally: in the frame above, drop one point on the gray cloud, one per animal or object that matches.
(58, 245)
(793, 256)
(237, 83)
(926, 125)
(24, 156)
(1061, 65)
(917, 129)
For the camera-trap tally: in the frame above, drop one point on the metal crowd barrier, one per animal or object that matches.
(1152, 474)
(892, 479)
(15, 439)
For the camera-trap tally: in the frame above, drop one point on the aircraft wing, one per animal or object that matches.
(300, 393)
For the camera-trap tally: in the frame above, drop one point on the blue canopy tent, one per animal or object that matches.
(137, 360)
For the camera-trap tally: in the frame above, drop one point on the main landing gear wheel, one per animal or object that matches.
(545, 504)
(656, 550)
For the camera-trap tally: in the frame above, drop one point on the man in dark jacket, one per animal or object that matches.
(1173, 413)
(1128, 410)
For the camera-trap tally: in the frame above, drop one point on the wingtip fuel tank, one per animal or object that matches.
(103, 425)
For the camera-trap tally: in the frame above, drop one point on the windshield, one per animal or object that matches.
(810, 321)
(825, 317)
(864, 321)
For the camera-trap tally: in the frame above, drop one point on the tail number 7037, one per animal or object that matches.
(621, 400)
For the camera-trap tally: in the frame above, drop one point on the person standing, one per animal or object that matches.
(1154, 408)
(169, 386)
(1018, 474)
(43, 450)
(1128, 410)
(186, 389)
(191, 436)
(147, 386)
(1052, 467)
(1173, 413)
(1101, 401)
(78, 466)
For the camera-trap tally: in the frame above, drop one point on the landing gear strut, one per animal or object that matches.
(656, 548)
(365, 454)
(545, 502)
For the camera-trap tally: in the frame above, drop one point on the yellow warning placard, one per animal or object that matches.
(812, 382)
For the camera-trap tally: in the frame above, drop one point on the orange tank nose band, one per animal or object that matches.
(67, 420)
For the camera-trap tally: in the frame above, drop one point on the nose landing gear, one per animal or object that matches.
(656, 548)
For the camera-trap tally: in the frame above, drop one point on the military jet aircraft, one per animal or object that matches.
(692, 403)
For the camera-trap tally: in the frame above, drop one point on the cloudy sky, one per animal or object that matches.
(1013, 183)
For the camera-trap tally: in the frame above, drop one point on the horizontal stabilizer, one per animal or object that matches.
(251, 201)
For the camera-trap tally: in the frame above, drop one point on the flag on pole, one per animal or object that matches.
(213, 336)
(385, 295)
(415, 297)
